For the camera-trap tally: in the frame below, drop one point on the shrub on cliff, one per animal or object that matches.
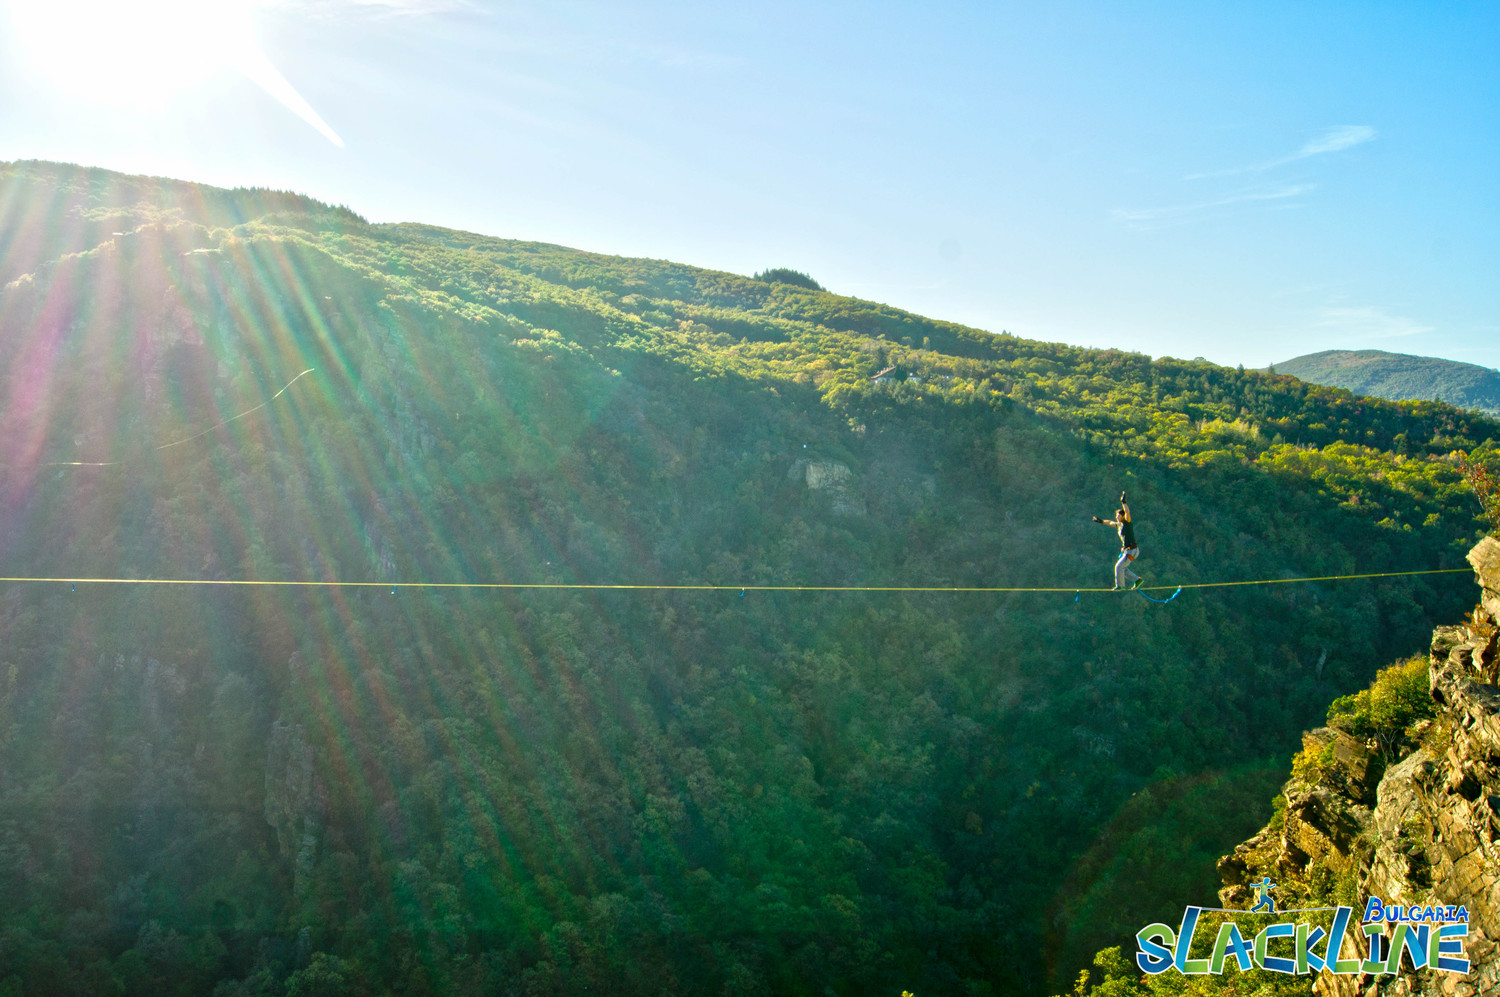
(1396, 699)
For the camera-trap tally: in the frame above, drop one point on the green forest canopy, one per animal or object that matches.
(354, 791)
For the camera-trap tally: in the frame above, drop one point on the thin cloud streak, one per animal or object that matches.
(1367, 323)
(1178, 211)
(1332, 140)
(375, 8)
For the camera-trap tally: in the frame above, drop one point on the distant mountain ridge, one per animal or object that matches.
(1400, 377)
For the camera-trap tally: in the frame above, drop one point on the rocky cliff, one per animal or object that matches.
(1409, 816)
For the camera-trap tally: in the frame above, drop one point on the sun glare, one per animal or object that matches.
(139, 55)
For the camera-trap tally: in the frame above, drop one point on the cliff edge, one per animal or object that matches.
(1407, 812)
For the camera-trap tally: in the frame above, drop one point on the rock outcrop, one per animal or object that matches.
(296, 801)
(835, 479)
(1486, 560)
(1418, 824)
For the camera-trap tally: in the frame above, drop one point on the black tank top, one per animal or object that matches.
(1127, 534)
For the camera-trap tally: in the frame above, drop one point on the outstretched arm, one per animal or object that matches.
(1124, 505)
(1106, 522)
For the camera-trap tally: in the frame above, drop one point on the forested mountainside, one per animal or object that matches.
(267, 789)
(1401, 376)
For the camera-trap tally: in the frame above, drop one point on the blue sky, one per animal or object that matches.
(1241, 182)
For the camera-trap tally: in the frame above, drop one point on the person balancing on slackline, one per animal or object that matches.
(1129, 551)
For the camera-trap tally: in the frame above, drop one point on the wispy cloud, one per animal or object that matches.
(1484, 356)
(1333, 140)
(881, 285)
(375, 8)
(1183, 212)
(1364, 324)
(250, 60)
(1268, 195)
(1328, 290)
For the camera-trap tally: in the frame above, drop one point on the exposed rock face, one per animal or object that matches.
(1323, 826)
(826, 474)
(1486, 560)
(295, 800)
(1426, 829)
(836, 479)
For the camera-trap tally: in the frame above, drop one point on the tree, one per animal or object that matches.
(782, 275)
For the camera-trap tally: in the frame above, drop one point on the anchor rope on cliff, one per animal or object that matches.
(669, 587)
(185, 439)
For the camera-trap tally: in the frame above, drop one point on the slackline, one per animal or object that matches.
(668, 587)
